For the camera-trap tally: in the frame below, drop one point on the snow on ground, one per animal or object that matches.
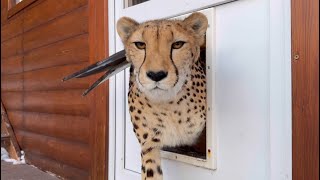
(5, 157)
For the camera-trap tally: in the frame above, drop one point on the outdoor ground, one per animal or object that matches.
(23, 172)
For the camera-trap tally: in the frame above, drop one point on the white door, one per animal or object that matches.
(248, 138)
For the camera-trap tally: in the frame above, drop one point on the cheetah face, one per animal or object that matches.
(162, 52)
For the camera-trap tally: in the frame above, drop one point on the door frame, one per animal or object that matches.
(305, 89)
(280, 138)
(99, 98)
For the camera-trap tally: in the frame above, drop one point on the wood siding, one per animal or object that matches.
(98, 43)
(40, 45)
(305, 89)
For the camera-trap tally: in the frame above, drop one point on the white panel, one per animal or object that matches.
(132, 146)
(211, 158)
(252, 92)
(155, 9)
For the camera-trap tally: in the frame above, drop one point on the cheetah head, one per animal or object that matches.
(162, 52)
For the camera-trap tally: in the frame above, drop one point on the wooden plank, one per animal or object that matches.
(67, 26)
(69, 51)
(50, 9)
(68, 102)
(12, 100)
(67, 152)
(12, 28)
(48, 164)
(98, 43)
(73, 128)
(17, 8)
(14, 148)
(4, 11)
(50, 78)
(15, 117)
(11, 47)
(305, 89)
(11, 65)
(12, 82)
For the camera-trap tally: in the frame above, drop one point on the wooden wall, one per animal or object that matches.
(40, 45)
(305, 89)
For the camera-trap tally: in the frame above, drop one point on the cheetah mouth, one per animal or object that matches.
(158, 88)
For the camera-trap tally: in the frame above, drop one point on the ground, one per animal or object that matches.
(23, 172)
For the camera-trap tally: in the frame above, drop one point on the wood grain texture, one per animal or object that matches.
(305, 89)
(68, 102)
(50, 78)
(69, 51)
(4, 11)
(12, 82)
(67, 26)
(51, 117)
(98, 48)
(12, 28)
(67, 152)
(50, 9)
(12, 100)
(72, 128)
(46, 163)
(11, 47)
(11, 65)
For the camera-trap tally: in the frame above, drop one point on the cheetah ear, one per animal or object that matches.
(198, 22)
(125, 27)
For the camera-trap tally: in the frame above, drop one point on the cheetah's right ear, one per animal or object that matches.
(198, 23)
(125, 27)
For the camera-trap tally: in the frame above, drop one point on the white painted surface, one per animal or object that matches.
(253, 95)
(211, 139)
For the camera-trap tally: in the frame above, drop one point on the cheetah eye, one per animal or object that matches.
(140, 45)
(178, 44)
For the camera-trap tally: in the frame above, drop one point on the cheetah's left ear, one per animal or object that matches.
(198, 22)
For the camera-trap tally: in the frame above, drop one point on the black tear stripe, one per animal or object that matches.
(144, 59)
(175, 67)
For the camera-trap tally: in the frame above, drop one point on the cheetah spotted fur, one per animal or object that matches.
(167, 90)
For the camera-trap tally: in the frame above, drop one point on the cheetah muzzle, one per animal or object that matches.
(167, 91)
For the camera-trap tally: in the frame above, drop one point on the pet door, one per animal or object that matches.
(203, 153)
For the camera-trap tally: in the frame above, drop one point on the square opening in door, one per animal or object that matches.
(203, 153)
(198, 150)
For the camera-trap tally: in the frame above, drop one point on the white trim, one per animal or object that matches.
(280, 90)
(173, 9)
(112, 96)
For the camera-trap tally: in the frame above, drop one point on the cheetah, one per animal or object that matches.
(167, 88)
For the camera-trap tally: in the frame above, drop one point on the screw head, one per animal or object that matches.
(296, 57)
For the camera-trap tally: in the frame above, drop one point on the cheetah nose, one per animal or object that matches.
(157, 76)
